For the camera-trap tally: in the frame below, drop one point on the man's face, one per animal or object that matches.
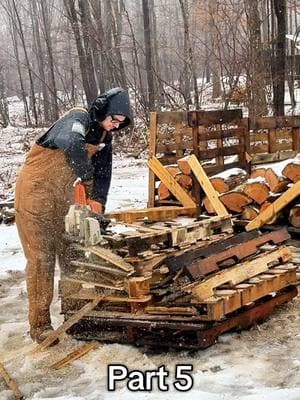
(112, 122)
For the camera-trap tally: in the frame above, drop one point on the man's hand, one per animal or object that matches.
(96, 206)
(91, 149)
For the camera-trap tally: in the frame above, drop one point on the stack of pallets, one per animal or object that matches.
(178, 283)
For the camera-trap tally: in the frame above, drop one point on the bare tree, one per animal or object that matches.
(84, 54)
(256, 70)
(148, 54)
(279, 57)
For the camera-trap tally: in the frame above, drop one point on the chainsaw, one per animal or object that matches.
(84, 219)
(95, 207)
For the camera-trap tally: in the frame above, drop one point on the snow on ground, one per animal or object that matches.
(262, 363)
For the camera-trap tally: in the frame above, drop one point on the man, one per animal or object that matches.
(78, 145)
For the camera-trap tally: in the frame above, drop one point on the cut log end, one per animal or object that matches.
(235, 201)
(249, 213)
(276, 183)
(184, 166)
(294, 216)
(292, 172)
(257, 191)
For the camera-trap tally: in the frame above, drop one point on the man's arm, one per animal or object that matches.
(71, 139)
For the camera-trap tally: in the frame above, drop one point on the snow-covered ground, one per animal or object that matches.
(262, 363)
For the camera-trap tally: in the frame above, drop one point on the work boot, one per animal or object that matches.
(41, 333)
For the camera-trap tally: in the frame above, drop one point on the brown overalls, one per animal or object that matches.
(44, 192)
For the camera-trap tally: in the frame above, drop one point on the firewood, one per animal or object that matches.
(208, 206)
(235, 201)
(165, 176)
(163, 192)
(193, 197)
(258, 172)
(292, 171)
(184, 166)
(225, 184)
(185, 181)
(258, 191)
(280, 203)
(219, 184)
(276, 183)
(172, 169)
(249, 212)
(294, 216)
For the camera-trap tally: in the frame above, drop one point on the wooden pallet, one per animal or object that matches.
(184, 333)
(171, 234)
(224, 301)
(238, 273)
(217, 135)
(202, 261)
(227, 300)
(212, 262)
(193, 131)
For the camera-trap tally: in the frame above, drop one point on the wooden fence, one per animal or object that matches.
(220, 139)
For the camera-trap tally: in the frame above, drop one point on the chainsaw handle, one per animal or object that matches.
(96, 207)
(80, 194)
(81, 199)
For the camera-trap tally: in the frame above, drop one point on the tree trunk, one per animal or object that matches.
(257, 103)
(22, 38)
(279, 61)
(90, 88)
(148, 55)
(21, 79)
(213, 15)
(3, 101)
(40, 59)
(54, 114)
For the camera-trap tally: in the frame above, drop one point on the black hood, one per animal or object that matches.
(113, 102)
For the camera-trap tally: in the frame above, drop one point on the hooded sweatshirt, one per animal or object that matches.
(78, 127)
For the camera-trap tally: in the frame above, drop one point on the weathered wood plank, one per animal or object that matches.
(11, 383)
(210, 263)
(237, 273)
(152, 152)
(170, 182)
(219, 152)
(207, 118)
(56, 334)
(163, 213)
(187, 257)
(75, 354)
(275, 207)
(207, 186)
(108, 256)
